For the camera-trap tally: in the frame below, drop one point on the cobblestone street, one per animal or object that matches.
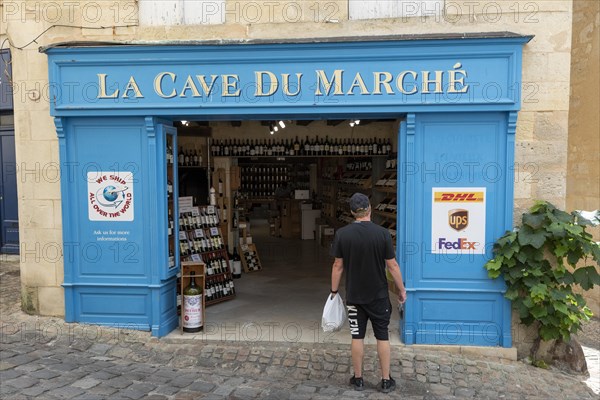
(45, 358)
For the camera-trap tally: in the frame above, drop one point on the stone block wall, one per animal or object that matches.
(541, 149)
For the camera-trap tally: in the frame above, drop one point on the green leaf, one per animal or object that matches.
(494, 264)
(541, 205)
(560, 250)
(556, 229)
(539, 311)
(528, 236)
(562, 216)
(539, 292)
(561, 307)
(534, 221)
(586, 277)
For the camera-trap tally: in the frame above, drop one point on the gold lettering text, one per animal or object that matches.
(206, 88)
(358, 82)
(454, 79)
(327, 83)
(158, 85)
(228, 84)
(273, 83)
(383, 78)
(102, 89)
(132, 85)
(427, 82)
(189, 85)
(286, 84)
(400, 82)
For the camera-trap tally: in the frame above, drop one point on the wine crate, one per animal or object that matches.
(199, 269)
(250, 260)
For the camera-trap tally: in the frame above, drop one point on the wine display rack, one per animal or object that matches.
(386, 209)
(249, 256)
(201, 240)
(308, 147)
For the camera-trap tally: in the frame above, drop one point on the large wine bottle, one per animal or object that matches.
(237, 265)
(192, 306)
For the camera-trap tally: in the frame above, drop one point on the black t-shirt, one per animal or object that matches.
(364, 247)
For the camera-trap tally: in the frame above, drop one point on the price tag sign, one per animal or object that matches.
(182, 235)
(199, 233)
(214, 231)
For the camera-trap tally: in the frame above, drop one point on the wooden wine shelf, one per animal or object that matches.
(386, 189)
(385, 214)
(220, 300)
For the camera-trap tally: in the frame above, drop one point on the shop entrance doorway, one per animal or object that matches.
(285, 192)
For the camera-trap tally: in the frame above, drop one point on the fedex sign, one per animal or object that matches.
(460, 244)
(458, 220)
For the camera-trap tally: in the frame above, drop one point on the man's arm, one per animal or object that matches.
(336, 274)
(394, 268)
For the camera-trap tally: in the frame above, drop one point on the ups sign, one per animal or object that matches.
(458, 219)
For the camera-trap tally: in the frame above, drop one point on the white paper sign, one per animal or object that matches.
(186, 204)
(458, 220)
(110, 196)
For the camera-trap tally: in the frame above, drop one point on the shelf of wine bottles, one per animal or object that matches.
(249, 257)
(305, 147)
(218, 288)
(262, 181)
(186, 157)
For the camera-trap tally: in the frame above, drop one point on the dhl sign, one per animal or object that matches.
(458, 197)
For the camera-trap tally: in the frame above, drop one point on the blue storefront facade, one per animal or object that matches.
(458, 97)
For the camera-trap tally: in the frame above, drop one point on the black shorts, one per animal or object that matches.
(378, 311)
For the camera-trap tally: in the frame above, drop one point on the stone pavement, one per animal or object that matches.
(45, 358)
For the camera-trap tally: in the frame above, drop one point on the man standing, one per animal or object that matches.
(364, 250)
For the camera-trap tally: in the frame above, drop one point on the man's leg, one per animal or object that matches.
(383, 351)
(358, 352)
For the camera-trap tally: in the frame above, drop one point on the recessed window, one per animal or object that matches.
(182, 12)
(370, 9)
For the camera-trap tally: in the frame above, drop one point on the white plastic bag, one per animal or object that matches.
(334, 314)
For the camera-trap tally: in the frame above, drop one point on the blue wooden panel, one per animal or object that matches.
(9, 213)
(108, 251)
(124, 307)
(6, 89)
(455, 318)
(454, 151)
(150, 80)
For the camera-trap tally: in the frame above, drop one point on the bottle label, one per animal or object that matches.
(192, 311)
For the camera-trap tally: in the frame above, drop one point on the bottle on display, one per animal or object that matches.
(237, 265)
(212, 196)
(192, 306)
(180, 156)
(225, 213)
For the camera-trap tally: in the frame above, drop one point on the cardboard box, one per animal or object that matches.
(306, 206)
(302, 194)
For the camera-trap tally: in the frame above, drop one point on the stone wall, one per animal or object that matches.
(541, 154)
(583, 179)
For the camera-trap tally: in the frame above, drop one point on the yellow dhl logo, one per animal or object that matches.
(458, 197)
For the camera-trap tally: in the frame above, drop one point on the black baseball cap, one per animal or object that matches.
(359, 202)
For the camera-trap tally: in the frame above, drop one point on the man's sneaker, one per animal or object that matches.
(387, 385)
(357, 383)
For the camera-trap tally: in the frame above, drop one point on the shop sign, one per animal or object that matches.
(458, 220)
(110, 196)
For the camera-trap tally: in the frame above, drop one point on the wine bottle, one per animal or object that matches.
(237, 265)
(192, 306)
